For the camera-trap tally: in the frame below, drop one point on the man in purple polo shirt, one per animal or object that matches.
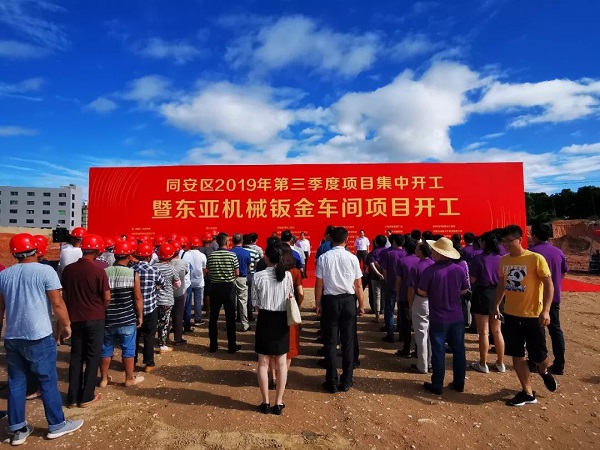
(405, 265)
(557, 262)
(469, 251)
(374, 261)
(390, 263)
(443, 283)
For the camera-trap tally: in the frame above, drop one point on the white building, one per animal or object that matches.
(41, 207)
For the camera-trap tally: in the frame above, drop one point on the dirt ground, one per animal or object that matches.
(197, 400)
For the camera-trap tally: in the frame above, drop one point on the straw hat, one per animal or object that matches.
(444, 247)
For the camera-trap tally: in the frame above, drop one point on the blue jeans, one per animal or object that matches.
(198, 294)
(454, 334)
(37, 358)
(388, 312)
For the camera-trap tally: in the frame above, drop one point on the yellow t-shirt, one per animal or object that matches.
(523, 288)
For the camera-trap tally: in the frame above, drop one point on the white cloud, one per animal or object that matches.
(298, 40)
(558, 100)
(23, 87)
(102, 105)
(28, 19)
(16, 131)
(412, 46)
(148, 89)
(20, 50)
(239, 113)
(493, 136)
(583, 149)
(180, 51)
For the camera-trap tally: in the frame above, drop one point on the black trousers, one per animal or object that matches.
(221, 295)
(147, 333)
(362, 257)
(177, 316)
(86, 344)
(339, 316)
(556, 336)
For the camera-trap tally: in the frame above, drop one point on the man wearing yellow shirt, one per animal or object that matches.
(526, 285)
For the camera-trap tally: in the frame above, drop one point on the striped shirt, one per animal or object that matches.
(254, 258)
(221, 266)
(121, 310)
(268, 293)
(165, 296)
(183, 270)
(150, 280)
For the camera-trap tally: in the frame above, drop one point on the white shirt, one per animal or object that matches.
(304, 245)
(300, 254)
(154, 259)
(362, 243)
(268, 293)
(198, 261)
(339, 269)
(68, 255)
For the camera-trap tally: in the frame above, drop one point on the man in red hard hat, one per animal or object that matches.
(71, 252)
(108, 256)
(87, 294)
(123, 315)
(151, 281)
(27, 290)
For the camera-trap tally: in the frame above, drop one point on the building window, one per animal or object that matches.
(73, 198)
(46, 203)
(72, 223)
(14, 193)
(46, 222)
(72, 205)
(46, 211)
(62, 212)
(62, 194)
(31, 194)
(13, 211)
(30, 202)
(46, 194)
(62, 203)
(30, 211)
(72, 213)
(14, 202)
(29, 221)
(12, 220)
(61, 222)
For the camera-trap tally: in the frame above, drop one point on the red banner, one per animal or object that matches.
(189, 200)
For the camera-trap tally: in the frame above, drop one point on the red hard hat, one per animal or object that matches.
(158, 239)
(109, 242)
(22, 243)
(92, 242)
(146, 239)
(176, 245)
(123, 248)
(166, 251)
(208, 237)
(133, 242)
(195, 242)
(118, 238)
(144, 249)
(78, 232)
(42, 244)
(172, 237)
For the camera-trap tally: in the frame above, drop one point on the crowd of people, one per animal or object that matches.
(135, 292)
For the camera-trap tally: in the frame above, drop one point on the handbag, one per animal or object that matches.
(293, 313)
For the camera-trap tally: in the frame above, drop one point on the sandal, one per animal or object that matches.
(103, 383)
(136, 380)
(96, 399)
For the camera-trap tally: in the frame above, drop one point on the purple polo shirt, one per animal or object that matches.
(390, 261)
(414, 273)
(557, 262)
(406, 265)
(375, 255)
(443, 282)
(503, 250)
(468, 253)
(485, 269)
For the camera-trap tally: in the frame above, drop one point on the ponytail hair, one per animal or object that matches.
(273, 252)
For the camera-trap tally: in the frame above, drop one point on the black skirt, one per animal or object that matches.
(272, 335)
(484, 300)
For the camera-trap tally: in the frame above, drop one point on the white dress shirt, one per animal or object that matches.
(362, 243)
(304, 245)
(268, 293)
(339, 269)
(198, 262)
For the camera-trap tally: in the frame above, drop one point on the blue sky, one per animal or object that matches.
(118, 83)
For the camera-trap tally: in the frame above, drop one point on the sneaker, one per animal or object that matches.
(501, 367)
(67, 428)
(19, 437)
(165, 349)
(199, 322)
(483, 368)
(549, 381)
(522, 399)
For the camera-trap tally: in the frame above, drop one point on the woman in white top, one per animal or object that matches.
(271, 291)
